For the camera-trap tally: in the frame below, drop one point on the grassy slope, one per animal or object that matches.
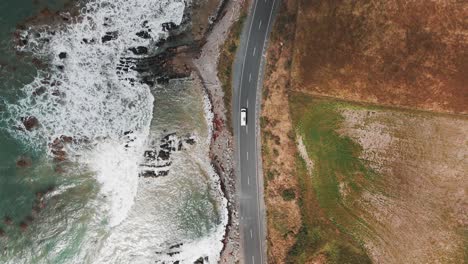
(329, 222)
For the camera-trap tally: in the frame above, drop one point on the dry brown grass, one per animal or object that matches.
(421, 214)
(278, 149)
(407, 53)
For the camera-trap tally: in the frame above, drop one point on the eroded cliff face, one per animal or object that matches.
(405, 53)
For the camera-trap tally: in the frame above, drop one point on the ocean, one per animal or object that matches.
(96, 165)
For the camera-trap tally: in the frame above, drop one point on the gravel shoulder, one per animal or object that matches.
(221, 150)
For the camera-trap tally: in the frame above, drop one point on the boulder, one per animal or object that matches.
(66, 139)
(23, 162)
(109, 36)
(39, 91)
(30, 122)
(143, 34)
(140, 50)
(23, 226)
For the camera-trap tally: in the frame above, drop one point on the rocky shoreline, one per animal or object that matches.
(183, 53)
(221, 149)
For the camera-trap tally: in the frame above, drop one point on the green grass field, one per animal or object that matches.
(331, 225)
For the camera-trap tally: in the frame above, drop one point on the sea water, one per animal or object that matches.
(93, 207)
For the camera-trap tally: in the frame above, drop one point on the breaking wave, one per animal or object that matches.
(104, 113)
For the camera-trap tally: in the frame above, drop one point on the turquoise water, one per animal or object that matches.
(66, 212)
(23, 189)
(18, 186)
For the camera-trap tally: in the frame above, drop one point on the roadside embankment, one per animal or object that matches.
(221, 150)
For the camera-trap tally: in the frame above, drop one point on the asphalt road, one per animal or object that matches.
(248, 82)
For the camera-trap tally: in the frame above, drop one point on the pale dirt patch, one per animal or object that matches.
(423, 161)
(304, 155)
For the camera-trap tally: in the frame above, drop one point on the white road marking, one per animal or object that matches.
(255, 49)
(251, 234)
(250, 77)
(248, 180)
(247, 155)
(247, 103)
(239, 101)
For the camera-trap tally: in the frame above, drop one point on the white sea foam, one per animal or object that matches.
(87, 99)
(90, 102)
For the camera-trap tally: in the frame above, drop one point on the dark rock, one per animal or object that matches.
(2, 233)
(143, 34)
(168, 136)
(199, 261)
(87, 41)
(23, 226)
(179, 148)
(29, 219)
(7, 220)
(163, 173)
(164, 155)
(163, 80)
(165, 146)
(149, 174)
(127, 132)
(173, 253)
(60, 67)
(30, 122)
(55, 83)
(62, 55)
(56, 93)
(147, 81)
(109, 36)
(176, 246)
(190, 141)
(169, 26)
(160, 43)
(56, 144)
(59, 169)
(140, 50)
(23, 162)
(66, 139)
(39, 195)
(149, 154)
(60, 158)
(154, 174)
(58, 152)
(39, 91)
(41, 204)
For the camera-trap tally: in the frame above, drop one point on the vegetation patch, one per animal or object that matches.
(226, 60)
(288, 194)
(330, 222)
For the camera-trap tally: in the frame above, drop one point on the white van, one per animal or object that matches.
(243, 116)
